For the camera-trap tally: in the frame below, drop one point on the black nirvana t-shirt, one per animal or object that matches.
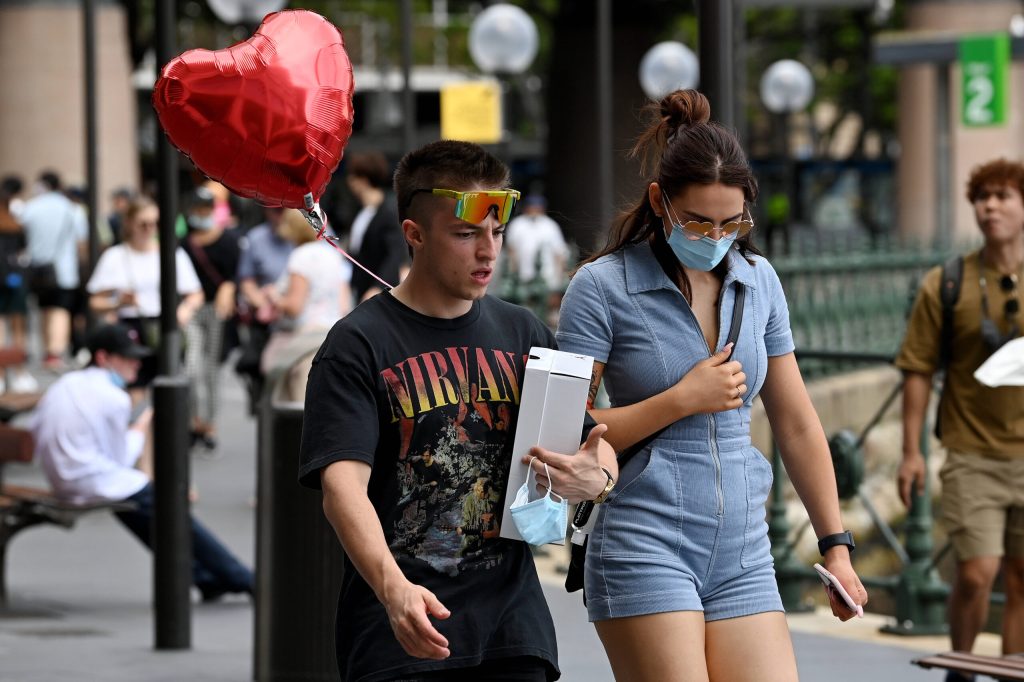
(431, 404)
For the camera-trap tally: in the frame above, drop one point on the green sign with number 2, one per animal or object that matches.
(985, 68)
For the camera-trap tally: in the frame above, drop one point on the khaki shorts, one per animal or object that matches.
(983, 505)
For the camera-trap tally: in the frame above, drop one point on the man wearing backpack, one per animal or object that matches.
(964, 311)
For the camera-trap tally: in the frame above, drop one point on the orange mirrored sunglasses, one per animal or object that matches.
(474, 206)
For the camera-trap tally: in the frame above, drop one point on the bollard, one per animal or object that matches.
(299, 561)
(172, 528)
(920, 594)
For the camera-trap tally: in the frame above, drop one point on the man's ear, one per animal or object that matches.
(414, 234)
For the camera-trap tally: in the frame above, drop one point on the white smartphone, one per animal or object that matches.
(831, 581)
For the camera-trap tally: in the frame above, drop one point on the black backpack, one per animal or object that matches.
(949, 294)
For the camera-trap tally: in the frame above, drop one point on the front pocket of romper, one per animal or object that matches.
(757, 473)
(642, 519)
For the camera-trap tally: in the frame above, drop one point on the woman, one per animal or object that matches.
(125, 285)
(311, 295)
(214, 253)
(679, 574)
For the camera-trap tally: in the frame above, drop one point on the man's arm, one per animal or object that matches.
(409, 606)
(917, 389)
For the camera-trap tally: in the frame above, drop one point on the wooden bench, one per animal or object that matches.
(1000, 667)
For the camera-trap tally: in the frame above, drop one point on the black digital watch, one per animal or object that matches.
(830, 541)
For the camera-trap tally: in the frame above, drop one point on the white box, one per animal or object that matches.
(551, 412)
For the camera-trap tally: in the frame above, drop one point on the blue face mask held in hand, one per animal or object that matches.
(543, 520)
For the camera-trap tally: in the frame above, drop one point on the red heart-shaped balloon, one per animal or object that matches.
(269, 117)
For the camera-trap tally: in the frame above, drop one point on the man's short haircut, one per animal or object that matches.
(371, 166)
(446, 164)
(998, 173)
(50, 179)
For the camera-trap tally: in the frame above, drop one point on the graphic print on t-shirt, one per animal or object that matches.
(455, 410)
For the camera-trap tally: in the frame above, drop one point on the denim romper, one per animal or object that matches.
(684, 528)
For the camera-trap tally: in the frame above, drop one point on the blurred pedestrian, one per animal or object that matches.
(12, 186)
(91, 450)
(261, 264)
(537, 253)
(982, 428)
(56, 231)
(214, 253)
(120, 200)
(13, 289)
(125, 286)
(679, 571)
(375, 238)
(310, 296)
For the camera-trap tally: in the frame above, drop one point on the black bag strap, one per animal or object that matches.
(952, 279)
(949, 294)
(734, 334)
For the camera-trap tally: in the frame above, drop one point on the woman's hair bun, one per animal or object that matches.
(685, 108)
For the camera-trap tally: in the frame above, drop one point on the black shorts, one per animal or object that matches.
(515, 669)
(58, 298)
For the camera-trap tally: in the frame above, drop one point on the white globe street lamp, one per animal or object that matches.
(667, 67)
(503, 39)
(233, 12)
(786, 86)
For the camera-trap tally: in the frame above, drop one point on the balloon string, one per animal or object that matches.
(318, 221)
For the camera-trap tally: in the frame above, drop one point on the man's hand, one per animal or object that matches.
(911, 476)
(575, 477)
(714, 385)
(409, 607)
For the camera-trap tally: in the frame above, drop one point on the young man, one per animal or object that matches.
(411, 403)
(90, 449)
(982, 428)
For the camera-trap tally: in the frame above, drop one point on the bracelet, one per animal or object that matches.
(607, 488)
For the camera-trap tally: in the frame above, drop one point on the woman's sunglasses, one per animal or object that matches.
(474, 207)
(697, 229)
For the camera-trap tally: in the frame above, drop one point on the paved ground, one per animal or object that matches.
(90, 591)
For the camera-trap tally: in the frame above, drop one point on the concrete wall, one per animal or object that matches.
(42, 119)
(970, 146)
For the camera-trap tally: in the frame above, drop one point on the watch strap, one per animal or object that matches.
(829, 541)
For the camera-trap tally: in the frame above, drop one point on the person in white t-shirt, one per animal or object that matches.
(536, 250)
(90, 451)
(125, 286)
(311, 295)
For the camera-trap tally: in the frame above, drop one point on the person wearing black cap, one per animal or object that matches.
(90, 449)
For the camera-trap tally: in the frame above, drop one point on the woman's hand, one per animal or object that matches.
(575, 477)
(714, 385)
(837, 561)
(126, 299)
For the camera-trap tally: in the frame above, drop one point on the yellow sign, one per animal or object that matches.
(471, 112)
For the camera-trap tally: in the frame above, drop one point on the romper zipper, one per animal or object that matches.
(712, 423)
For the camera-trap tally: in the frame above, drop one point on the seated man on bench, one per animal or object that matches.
(89, 450)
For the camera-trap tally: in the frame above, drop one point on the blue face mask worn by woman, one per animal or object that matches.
(700, 254)
(542, 521)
